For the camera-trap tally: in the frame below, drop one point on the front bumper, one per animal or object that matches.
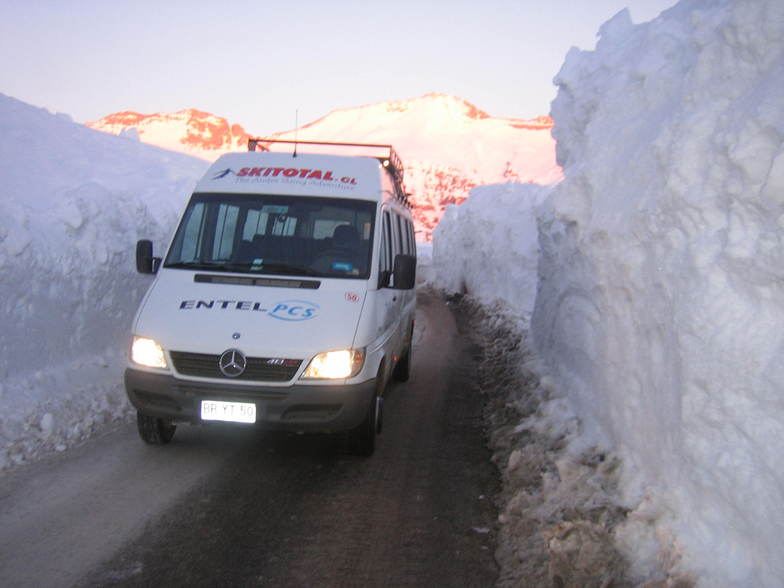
(300, 407)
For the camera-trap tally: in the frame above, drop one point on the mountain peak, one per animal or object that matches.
(192, 131)
(447, 144)
(439, 100)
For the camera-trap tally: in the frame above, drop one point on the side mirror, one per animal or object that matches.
(404, 272)
(145, 262)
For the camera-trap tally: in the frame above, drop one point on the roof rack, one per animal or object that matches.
(384, 153)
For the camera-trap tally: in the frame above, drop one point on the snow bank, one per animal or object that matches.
(73, 202)
(660, 309)
(424, 269)
(488, 247)
(660, 303)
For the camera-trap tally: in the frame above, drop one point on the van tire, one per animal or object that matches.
(402, 371)
(362, 439)
(154, 431)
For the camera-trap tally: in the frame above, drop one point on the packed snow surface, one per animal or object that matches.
(73, 202)
(660, 305)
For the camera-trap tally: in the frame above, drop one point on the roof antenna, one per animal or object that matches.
(296, 129)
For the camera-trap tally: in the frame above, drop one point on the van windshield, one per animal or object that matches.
(279, 235)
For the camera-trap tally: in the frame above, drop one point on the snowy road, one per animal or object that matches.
(231, 507)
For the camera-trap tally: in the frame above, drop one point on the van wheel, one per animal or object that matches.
(154, 431)
(402, 371)
(362, 439)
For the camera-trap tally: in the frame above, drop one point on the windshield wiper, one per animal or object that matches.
(246, 266)
(210, 265)
(285, 268)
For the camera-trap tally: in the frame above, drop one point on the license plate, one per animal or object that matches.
(232, 412)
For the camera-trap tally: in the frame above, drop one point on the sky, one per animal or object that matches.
(265, 65)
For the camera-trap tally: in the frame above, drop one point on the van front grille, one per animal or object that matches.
(262, 369)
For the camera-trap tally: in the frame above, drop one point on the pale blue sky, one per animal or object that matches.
(256, 62)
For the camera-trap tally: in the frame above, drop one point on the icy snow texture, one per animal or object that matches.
(661, 303)
(660, 310)
(73, 202)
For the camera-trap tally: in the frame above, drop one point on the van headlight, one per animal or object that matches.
(147, 352)
(335, 365)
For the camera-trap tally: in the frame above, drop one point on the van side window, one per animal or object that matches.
(404, 233)
(188, 244)
(382, 258)
(401, 247)
(397, 237)
(397, 246)
(411, 238)
(387, 246)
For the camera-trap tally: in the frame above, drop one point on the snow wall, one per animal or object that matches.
(487, 246)
(660, 304)
(73, 202)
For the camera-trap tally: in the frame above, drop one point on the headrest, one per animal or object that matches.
(345, 236)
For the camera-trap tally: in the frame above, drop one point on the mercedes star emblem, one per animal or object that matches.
(232, 363)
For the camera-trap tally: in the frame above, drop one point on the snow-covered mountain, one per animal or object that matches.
(188, 131)
(447, 144)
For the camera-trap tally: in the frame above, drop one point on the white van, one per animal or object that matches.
(286, 298)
